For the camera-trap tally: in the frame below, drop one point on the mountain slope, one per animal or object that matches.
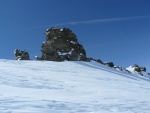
(70, 87)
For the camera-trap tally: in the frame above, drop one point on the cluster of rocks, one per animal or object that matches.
(21, 54)
(60, 45)
(109, 64)
(138, 69)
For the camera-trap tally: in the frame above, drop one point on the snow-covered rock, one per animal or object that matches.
(140, 71)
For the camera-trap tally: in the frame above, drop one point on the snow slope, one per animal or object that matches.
(70, 87)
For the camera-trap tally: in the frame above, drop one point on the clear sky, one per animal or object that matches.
(111, 30)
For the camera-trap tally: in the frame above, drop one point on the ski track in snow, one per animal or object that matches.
(70, 87)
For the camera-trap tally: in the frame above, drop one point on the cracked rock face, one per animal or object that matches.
(62, 44)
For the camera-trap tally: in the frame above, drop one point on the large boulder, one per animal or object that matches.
(60, 45)
(21, 54)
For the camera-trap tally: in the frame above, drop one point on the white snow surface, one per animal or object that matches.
(70, 87)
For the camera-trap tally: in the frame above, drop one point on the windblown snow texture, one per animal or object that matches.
(70, 87)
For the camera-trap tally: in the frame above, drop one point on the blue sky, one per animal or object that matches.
(111, 30)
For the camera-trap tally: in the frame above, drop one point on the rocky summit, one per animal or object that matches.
(62, 44)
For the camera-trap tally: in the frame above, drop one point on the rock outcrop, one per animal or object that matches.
(109, 64)
(97, 60)
(118, 68)
(21, 54)
(139, 69)
(136, 69)
(60, 45)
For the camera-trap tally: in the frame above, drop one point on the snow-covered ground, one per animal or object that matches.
(70, 87)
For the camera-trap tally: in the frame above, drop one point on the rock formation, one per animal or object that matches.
(60, 45)
(118, 68)
(138, 69)
(21, 54)
(109, 64)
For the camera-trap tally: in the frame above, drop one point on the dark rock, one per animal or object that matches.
(138, 69)
(98, 60)
(143, 69)
(109, 64)
(135, 65)
(127, 71)
(62, 44)
(118, 68)
(21, 55)
(90, 58)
